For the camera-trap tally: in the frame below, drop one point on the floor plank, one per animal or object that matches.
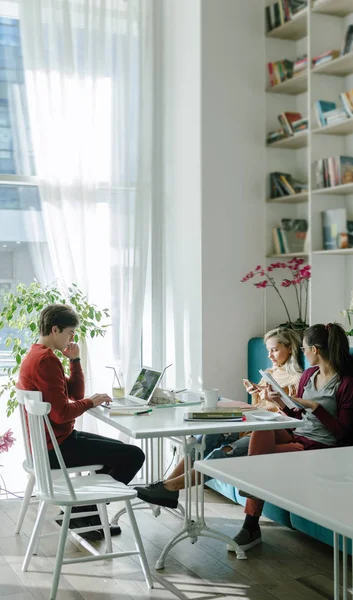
(287, 565)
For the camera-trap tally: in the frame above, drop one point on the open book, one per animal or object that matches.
(288, 401)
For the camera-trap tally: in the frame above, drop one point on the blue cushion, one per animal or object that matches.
(316, 531)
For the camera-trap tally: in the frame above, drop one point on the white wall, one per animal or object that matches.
(182, 188)
(233, 186)
(214, 181)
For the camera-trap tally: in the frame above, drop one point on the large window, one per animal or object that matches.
(21, 230)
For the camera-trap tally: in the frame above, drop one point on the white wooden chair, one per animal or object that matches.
(29, 468)
(77, 491)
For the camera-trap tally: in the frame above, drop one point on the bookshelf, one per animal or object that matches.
(315, 30)
(299, 140)
(292, 199)
(295, 29)
(294, 86)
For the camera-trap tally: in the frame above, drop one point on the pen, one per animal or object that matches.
(143, 412)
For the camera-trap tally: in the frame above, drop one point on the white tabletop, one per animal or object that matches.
(166, 422)
(316, 485)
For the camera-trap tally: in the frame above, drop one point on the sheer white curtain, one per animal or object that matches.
(88, 70)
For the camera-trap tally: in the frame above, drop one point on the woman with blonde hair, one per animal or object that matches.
(283, 347)
(325, 393)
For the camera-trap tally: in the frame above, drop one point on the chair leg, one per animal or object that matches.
(139, 545)
(25, 503)
(35, 534)
(60, 552)
(103, 513)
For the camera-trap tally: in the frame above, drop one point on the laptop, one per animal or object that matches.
(142, 390)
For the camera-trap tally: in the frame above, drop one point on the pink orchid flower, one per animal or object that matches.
(6, 441)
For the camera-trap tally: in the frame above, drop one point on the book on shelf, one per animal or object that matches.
(320, 108)
(282, 11)
(332, 171)
(300, 64)
(350, 233)
(347, 45)
(295, 234)
(287, 118)
(328, 113)
(291, 236)
(284, 184)
(274, 136)
(325, 57)
(280, 70)
(300, 125)
(334, 228)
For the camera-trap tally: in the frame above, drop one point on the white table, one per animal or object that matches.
(316, 485)
(169, 422)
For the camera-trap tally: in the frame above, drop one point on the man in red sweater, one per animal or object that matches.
(41, 370)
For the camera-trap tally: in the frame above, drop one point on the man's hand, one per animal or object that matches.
(72, 351)
(98, 399)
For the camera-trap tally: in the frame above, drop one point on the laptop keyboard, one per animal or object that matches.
(126, 402)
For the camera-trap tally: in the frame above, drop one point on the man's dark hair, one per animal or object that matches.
(57, 314)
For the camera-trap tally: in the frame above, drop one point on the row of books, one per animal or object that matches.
(284, 184)
(291, 236)
(301, 63)
(328, 113)
(337, 230)
(332, 171)
(282, 11)
(284, 69)
(292, 124)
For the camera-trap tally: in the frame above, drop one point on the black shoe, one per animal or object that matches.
(157, 493)
(96, 534)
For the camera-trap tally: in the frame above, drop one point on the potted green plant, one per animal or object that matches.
(20, 314)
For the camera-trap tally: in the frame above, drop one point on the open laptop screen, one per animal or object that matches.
(145, 384)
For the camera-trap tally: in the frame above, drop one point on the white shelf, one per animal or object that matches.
(344, 128)
(295, 29)
(292, 199)
(339, 251)
(337, 8)
(288, 255)
(292, 142)
(340, 67)
(296, 85)
(338, 190)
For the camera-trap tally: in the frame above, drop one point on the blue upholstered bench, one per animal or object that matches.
(258, 359)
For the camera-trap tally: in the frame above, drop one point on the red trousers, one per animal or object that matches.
(269, 442)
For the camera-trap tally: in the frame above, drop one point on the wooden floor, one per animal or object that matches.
(288, 565)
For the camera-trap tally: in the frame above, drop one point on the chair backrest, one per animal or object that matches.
(37, 413)
(36, 396)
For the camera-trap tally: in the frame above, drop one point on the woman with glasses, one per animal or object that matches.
(326, 394)
(283, 351)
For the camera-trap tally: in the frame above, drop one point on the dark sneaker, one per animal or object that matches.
(157, 493)
(95, 534)
(246, 539)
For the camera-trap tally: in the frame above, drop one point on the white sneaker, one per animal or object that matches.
(246, 540)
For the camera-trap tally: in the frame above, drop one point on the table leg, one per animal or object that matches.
(344, 567)
(336, 567)
(151, 474)
(194, 525)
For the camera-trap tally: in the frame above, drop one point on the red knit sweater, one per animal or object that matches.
(42, 371)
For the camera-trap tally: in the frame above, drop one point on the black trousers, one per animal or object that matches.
(121, 461)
